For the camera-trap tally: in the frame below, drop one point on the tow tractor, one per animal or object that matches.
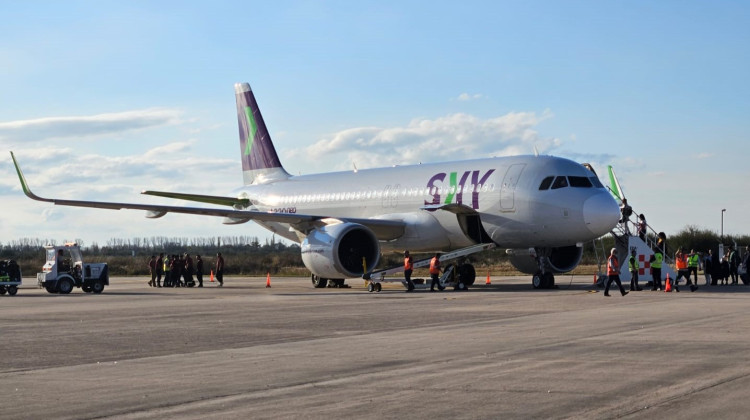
(10, 277)
(459, 276)
(65, 269)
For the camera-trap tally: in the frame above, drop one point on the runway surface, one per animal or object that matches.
(290, 351)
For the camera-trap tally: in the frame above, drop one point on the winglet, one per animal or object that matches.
(24, 184)
(614, 185)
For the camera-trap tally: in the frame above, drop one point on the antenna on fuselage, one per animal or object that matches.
(536, 152)
(355, 167)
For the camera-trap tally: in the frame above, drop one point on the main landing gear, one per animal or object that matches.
(544, 278)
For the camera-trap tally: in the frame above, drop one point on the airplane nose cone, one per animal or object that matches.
(601, 213)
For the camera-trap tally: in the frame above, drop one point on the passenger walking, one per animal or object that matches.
(725, 269)
(176, 271)
(642, 227)
(708, 267)
(435, 273)
(220, 269)
(152, 271)
(656, 262)
(408, 269)
(189, 270)
(613, 273)
(199, 270)
(159, 269)
(626, 212)
(634, 267)
(694, 263)
(734, 263)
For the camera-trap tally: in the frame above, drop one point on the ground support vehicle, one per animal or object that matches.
(10, 277)
(458, 275)
(65, 270)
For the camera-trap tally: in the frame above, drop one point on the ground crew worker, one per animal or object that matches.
(408, 269)
(613, 273)
(159, 269)
(435, 273)
(167, 273)
(681, 263)
(694, 262)
(152, 271)
(633, 266)
(656, 261)
(188, 274)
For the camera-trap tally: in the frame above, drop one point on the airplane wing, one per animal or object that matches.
(211, 199)
(383, 229)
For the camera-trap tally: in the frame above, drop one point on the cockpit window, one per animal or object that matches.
(579, 182)
(596, 182)
(560, 182)
(546, 182)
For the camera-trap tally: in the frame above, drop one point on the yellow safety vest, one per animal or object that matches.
(658, 258)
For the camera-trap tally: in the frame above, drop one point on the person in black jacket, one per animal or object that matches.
(199, 270)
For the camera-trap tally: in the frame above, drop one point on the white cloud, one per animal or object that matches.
(469, 97)
(452, 137)
(84, 126)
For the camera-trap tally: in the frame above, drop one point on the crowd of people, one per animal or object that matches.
(178, 270)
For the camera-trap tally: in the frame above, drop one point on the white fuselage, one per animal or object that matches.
(504, 192)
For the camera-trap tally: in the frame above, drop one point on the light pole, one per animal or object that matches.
(722, 224)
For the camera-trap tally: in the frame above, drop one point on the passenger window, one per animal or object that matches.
(579, 182)
(546, 182)
(595, 181)
(560, 182)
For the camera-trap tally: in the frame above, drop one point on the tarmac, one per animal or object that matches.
(291, 351)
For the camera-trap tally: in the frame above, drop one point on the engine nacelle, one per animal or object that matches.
(337, 251)
(561, 259)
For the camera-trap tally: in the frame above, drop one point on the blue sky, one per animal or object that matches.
(100, 100)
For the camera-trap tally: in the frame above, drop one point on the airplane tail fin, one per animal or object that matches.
(260, 163)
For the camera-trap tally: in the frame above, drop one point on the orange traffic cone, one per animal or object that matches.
(668, 285)
(268, 279)
(212, 276)
(488, 278)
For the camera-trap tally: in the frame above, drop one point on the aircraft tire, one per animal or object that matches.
(370, 287)
(537, 282)
(378, 287)
(12, 290)
(470, 273)
(65, 286)
(97, 287)
(549, 280)
(318, 282)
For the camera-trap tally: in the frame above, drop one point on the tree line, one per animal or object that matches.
(246, 255)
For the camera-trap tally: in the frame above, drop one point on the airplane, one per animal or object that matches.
(540, 208)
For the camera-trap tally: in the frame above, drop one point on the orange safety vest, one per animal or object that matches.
(613, 266)
(408, 264)
(434, 266)
(680, 261)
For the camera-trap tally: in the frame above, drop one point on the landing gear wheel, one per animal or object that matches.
(548, 280)
(12, 290)
(537, 281)
(460, 286)
(97, 287)
(50, 288)
(378, 287)
(370, 287)
(318, 282)
(468, 274)
(65, 286)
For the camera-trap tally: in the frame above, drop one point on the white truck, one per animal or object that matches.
(65, 269)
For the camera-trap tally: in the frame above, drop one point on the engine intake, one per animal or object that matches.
(561, 259)
(337, 251)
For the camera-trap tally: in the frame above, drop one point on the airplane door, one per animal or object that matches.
(508, 187)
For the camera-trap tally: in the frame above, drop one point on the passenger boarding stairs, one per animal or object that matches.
(626, 240)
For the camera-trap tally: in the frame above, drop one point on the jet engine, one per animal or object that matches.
(340, 250)
(561, 259)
